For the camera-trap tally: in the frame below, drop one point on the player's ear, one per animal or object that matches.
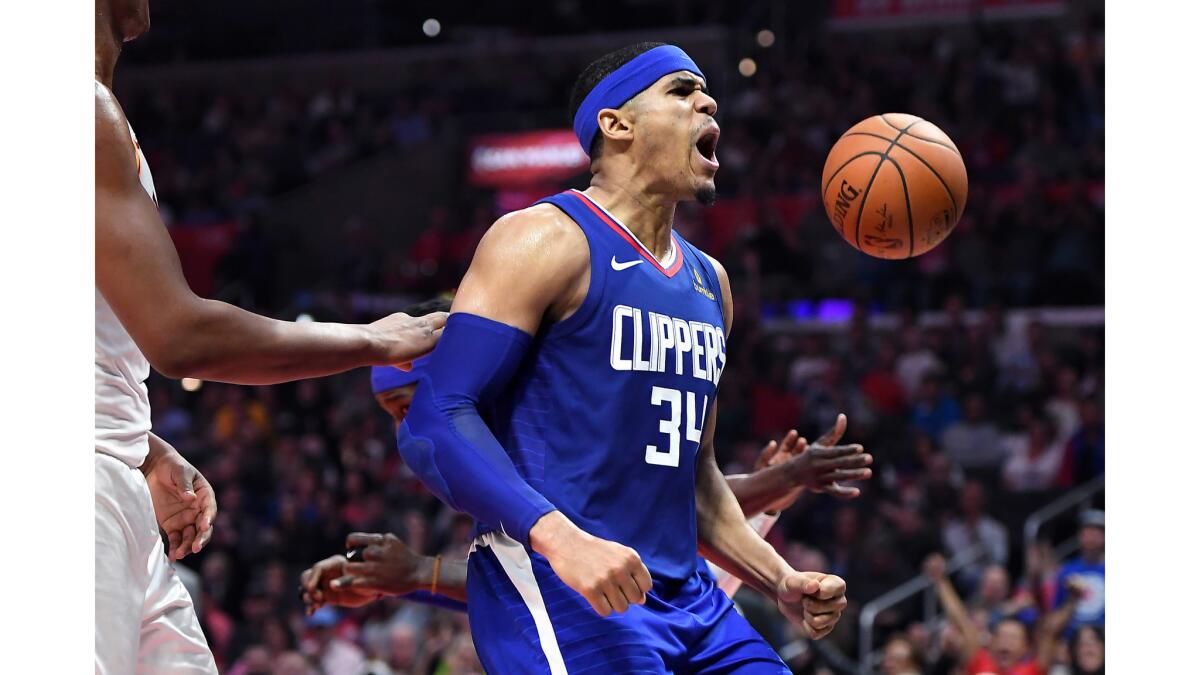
(615, 125)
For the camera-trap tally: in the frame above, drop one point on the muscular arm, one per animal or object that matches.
(526, 266)
(724, 536)
(181, 334)
(531, 267)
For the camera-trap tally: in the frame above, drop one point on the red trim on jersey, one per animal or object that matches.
(675, 267)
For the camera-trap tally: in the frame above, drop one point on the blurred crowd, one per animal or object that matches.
(973, 423)
(1023, 103)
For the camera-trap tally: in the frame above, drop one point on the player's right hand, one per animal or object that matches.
(610, 576)
(400, 339)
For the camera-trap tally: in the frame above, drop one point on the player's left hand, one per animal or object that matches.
(316, 590)
(185, 504)
(813, 601)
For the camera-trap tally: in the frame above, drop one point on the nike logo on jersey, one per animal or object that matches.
(618, 266)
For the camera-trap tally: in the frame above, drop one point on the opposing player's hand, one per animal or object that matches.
(316, 589)
(610, 576)
(779, 452)
(388, 566)
(185, 504)
(813, 601)
(824, 465)
(402, 338)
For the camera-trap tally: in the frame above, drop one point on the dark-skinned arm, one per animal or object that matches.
(184, 335)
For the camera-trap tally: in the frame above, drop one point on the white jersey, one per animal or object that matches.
(122, 403)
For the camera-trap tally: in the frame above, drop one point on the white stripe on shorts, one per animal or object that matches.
(519, 568)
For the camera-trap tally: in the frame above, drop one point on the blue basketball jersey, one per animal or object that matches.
(605, 414)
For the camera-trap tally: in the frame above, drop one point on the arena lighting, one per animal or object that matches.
(191, 384)
(766, 37)
(431, 27)
(747, 67)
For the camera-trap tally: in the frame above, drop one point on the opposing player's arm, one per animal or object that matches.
(531, 267)
(181, 334)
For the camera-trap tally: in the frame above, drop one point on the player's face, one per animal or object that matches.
(397, 401)
(132, 17)
(675, 137)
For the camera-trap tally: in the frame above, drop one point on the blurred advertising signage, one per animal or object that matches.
(534, 157)
(867, 14)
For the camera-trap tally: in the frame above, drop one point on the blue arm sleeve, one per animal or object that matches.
(427, 598)
(446, 442)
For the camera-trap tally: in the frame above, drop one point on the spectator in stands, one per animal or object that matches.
(336, 655)
(934, 410)
(1063, 407)
(917, 361)
(1083, 458)
(973, 527)
(1010, 649)
(975, 443)
(1088, 571)
(881, 386)
(993, 594)
(1034, 457)
(900, 658)
(1087, 652)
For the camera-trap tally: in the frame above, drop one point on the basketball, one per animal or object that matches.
(894, 186)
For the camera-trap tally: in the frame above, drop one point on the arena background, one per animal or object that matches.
(341, 160)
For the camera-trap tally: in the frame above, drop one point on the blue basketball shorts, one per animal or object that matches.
(525, 620)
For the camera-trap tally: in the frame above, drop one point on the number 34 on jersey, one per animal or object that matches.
(658, 343)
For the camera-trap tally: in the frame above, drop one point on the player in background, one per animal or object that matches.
(146, 315)
(570, 409)
(389, 568)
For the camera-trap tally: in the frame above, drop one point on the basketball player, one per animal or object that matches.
(389, 567)
(146, 315)
(570, 409)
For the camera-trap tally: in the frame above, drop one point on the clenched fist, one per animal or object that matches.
(610, 576)
(813, 601)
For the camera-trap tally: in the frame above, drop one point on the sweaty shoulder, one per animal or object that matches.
(541, 231)
(530, 266)
(116, 159)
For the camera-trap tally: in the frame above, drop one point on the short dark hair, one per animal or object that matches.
(595, 72)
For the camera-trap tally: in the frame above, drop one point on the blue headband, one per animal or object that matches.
(386, 378)
(626, 82)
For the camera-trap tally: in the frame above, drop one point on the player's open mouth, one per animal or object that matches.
(706, 145)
